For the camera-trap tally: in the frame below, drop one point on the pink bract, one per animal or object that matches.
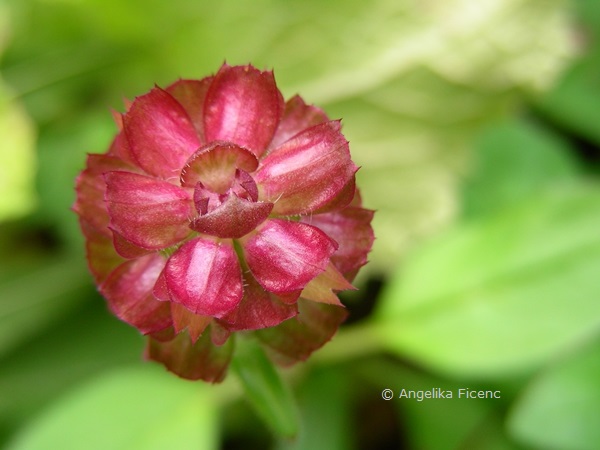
(220, 208)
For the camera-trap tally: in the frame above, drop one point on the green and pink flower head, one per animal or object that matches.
(220, 208)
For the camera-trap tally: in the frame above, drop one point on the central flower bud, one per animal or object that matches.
(225, 194)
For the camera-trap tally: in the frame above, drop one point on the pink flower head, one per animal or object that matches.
(221, 208)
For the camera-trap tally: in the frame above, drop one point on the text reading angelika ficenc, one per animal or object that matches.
(439, 393)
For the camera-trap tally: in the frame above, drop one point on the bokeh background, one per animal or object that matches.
(477, 127)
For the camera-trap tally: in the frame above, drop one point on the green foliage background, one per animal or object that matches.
(476, 126)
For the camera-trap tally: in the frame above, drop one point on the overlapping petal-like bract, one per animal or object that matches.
(220, 208)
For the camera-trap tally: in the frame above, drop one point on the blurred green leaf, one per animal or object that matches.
(58, 58)
(127, 409)
(84, 342)
(503, 294)
(588, 12)
(412, 84)
(491, 435)
(17, 158)
(31, 301)
(515, 159)
(573, 103)
(561, 408)
(264, 388)
(4, 26)
(325, 399)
